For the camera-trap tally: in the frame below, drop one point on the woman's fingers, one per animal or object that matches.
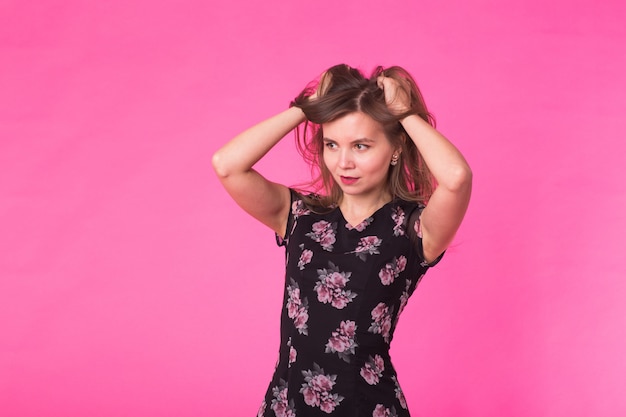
(396, 98)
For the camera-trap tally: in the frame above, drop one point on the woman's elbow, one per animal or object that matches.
(459, 178)
(219, 165)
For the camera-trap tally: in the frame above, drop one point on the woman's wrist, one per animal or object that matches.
(408, 118)
(297, 113)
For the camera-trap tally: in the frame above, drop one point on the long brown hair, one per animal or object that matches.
(343, 90)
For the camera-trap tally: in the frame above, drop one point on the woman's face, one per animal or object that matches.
(357, 154)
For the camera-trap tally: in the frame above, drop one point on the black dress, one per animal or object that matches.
(345, 287)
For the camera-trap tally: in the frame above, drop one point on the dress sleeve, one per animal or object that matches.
(415, 234)
(295, 198)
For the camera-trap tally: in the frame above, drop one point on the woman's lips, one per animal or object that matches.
(348, 180)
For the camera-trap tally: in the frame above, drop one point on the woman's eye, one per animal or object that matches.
(330, 145)
(361, 147)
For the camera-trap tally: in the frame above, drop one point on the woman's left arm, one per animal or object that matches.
(447, 206)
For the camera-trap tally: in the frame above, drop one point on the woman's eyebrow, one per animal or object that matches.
(359, 140)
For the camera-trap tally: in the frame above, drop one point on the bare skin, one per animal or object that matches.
(355, 151)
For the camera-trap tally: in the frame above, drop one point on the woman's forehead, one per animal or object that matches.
(353, 126)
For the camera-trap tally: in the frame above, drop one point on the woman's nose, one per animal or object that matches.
(345, 159)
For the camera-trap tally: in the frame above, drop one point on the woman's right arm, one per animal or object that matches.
(264, 200)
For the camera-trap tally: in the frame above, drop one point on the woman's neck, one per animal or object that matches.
(361, 207)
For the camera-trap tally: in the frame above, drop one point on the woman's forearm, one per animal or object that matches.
(241, 153)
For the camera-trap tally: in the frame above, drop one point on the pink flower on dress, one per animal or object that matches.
(292, 352)
(317, 388)
(292, 355)
(328, 405)
(294, 304)
(297, 309)
(300, 320)
(418, 229)
(299, 209)
(381, 411)
(386, 275)
(305, 257)
(361, 226)
(368, 245)
(400, 263)
(381, 324)
(324, 233)
(399, 393)
(342, 340)
(324, 293)
(330, 287)
(404, 297)
(391, 270)
(398, 216)
(373, 369)
(310, 396)
(280, 405)
(417, 226)
(379, 311)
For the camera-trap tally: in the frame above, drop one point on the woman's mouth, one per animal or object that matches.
(348, 180)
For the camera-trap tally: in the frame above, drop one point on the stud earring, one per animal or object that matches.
(394, 159)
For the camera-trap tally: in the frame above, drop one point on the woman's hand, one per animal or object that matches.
(397, 96)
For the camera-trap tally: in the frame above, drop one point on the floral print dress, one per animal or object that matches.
(345, 287)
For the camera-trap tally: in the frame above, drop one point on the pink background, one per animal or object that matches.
(130, 285)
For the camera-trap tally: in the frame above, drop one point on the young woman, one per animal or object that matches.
(391, 194)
